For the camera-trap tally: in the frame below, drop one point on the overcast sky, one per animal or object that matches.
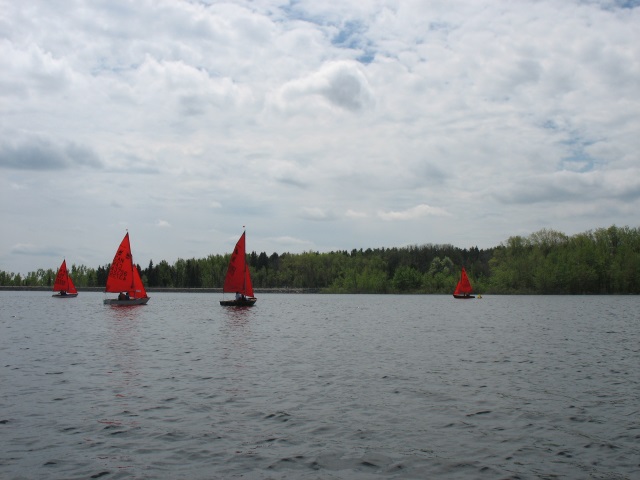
(318, 125)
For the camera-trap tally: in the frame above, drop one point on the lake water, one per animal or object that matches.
(320, 387)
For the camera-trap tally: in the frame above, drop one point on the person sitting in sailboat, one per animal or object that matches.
(239, 296)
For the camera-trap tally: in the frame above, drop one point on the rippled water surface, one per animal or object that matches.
(320, 387)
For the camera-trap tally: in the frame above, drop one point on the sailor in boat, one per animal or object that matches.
(63, 293)
(239, 297)
(123, 296)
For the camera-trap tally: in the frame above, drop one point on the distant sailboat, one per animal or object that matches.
(463, 289)
(63, 284)
(124, 278)
(238, 279)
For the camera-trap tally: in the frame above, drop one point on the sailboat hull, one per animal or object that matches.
(463, 297)
(68, 295)
(247, 302)
(124, 303)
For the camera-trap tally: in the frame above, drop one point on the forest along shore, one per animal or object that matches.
(160, 289)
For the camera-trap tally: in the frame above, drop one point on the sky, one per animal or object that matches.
(317, 126)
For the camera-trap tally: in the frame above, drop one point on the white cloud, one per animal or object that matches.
(412, 213)
(315, 213)
(338, 84)
(355, 214)
(474, 120)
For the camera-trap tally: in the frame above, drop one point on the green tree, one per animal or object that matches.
(406, 279)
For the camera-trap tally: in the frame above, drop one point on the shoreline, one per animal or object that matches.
(162, 289)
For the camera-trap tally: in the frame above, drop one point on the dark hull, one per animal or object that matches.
(68, 295)
(247, 302)
(125, 303)
(463, 297)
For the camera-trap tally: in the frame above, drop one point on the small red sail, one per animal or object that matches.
(123, 275)
(248, 287)
(238, 278)
(464, 286)
(63, 280)
(138, 288)
(72, 287)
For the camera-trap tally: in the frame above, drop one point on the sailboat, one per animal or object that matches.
(63, 284)
(124, 278)
(238, 279)
(463, 289)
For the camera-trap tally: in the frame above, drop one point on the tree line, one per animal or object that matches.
(603, 261)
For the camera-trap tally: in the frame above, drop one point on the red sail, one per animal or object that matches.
(72, 287)
(464, 286)
(63, 280)
(123, 276)
(138, 288)
(248, 287)
(120, 277)
(238, 278)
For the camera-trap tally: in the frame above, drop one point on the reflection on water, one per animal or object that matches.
(320, 386)
(124, 312)
(122, 349)
(238, 316)
(236, 344)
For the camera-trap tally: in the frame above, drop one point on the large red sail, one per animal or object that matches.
(238, 278)
(464, 286)
(63, 280)
(120, 277)
(124, 276)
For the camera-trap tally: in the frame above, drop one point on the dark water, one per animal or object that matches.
(320, 387)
